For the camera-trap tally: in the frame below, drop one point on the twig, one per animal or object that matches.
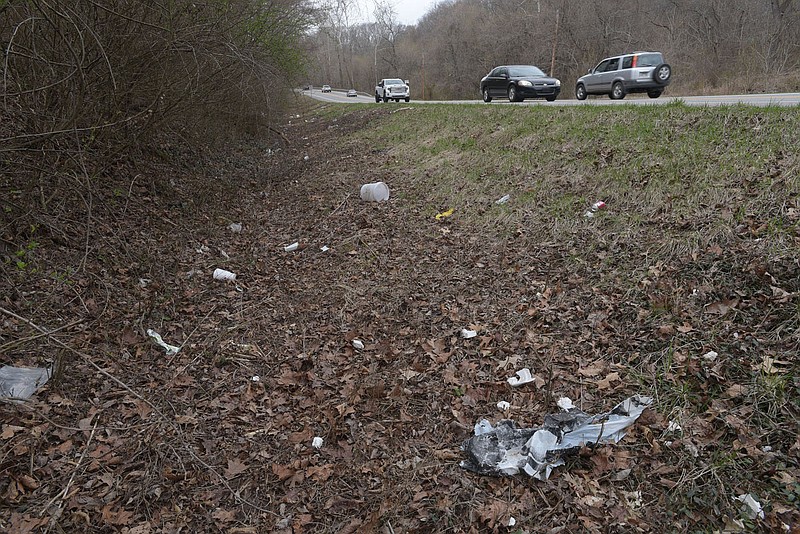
(63, 494)
(340, 205)
(190, 334)
(239, 499)
(6, 346)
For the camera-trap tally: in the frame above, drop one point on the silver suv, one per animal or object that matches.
(637, 72)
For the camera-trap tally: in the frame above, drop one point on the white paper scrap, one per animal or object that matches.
(171, 349)
(756, 510)
(503, 405)
(317, 442)
(565, 403)
(466, 334)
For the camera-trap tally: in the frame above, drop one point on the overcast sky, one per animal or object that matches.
(408, 11)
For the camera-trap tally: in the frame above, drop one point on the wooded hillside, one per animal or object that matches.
(714, 46)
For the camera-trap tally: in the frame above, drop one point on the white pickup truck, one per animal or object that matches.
(392, 89)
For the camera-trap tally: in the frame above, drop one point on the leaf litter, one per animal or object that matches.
(365, 387)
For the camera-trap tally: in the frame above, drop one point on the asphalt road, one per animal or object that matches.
(761, 100)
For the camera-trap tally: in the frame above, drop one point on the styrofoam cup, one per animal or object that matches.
(375, 192)
(222, 274)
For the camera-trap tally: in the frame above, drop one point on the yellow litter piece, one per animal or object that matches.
(444, 214)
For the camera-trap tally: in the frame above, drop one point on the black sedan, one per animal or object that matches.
(518, 82)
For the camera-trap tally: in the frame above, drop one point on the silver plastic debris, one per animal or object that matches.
(506, 450)
(21, 382)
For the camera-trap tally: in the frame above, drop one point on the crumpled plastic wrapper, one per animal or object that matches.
(505, 450)
(21, 382)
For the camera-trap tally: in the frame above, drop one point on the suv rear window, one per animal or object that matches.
(649, 60)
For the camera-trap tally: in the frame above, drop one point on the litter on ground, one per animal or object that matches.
(21, 382)
(504, 449)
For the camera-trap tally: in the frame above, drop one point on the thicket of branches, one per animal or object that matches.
(109, 73)
(713, 45)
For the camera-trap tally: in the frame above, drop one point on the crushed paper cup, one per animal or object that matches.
(291, 248)
(503, 199)
(222, 274)
(317, 442)
(503, 405)
(523, 376)
(466, 333)
(358, 344)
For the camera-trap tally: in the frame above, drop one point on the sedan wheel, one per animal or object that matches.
(512, 94)
(486, 97)
(580, 92)
(653, 94)
(617, 91)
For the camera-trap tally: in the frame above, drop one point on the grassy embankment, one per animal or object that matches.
(696, 252)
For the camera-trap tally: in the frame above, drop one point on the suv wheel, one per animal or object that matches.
(662, 74)
(654, 93)
(580, 92)
(377, 98)
(385, 98)
(617, 91)
(512, 94)
(486, 97)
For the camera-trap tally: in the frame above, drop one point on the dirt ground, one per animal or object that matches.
(218, 437)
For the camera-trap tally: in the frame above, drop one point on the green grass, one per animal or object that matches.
(699, 199)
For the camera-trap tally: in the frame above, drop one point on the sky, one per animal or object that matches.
(408, 11)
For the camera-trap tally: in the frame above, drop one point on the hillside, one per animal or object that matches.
(684, 288)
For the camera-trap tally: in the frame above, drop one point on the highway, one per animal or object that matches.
(758, 100)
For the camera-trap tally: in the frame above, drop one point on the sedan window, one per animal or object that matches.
(525, 70)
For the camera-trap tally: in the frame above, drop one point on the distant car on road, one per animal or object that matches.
(518, 82)
(352, 92)
(616, 76)
(326, 88)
